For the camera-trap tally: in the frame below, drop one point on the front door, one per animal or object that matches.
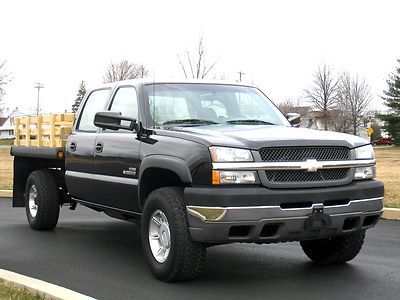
(116, 163)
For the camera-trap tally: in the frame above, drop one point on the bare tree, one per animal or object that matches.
(354, 98)
(289, 106)
(123, 71)
(195, 65)
(323, 92)
(5, 78)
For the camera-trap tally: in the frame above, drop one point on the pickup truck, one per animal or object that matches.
(198, 164)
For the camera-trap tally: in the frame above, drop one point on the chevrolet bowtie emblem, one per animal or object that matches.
(313, 165)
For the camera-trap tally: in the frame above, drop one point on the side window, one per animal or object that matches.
(95, 103)
(125, 102)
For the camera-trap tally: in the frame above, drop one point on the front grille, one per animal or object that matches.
(299, 176)
(276, 154)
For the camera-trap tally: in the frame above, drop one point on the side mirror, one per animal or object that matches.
(294, 119)
(112, 120)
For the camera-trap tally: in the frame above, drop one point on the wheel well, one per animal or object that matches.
(154, 178)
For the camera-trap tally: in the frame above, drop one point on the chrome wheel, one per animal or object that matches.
(33, 208)
(159, 236)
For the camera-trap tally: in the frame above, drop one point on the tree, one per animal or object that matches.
(323, 92)
(377, 131)
(123, 71)
(79, 96)
(354, 98)
(195, 65)
(392, 101)
(5, 78)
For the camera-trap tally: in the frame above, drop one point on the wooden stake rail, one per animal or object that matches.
(43, 131)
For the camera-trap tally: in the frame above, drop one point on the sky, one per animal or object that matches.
(277, 44)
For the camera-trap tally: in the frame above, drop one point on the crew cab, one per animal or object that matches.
(198, 164)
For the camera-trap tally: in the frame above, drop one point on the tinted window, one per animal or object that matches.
(95, 103)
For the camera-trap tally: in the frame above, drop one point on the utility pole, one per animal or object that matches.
(38, 86)
(240, 75)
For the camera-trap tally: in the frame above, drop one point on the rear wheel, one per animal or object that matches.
(336, 250)
(42, 200)
(168, 247)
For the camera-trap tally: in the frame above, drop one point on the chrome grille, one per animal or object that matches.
(299, 176)
(303, 153)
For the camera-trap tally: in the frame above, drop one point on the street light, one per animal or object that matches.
(38, 86)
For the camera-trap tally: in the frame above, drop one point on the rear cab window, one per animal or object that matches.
(95, 102)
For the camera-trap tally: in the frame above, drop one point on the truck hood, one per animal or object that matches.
(257, 136)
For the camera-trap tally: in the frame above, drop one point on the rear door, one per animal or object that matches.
(80, 147)
(116, 162)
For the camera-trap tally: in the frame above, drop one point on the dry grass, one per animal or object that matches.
(388, 169)
(6, 168)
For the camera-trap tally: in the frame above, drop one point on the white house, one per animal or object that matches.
(7, 127)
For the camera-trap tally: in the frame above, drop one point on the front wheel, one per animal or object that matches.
(336, 250)
(42, 200)
(167, 244)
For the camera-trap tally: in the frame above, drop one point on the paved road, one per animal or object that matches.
(101, 257)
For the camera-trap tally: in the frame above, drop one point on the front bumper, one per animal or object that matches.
(240, 214)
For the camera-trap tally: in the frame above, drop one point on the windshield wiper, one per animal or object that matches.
(190, 122)
(250, 122)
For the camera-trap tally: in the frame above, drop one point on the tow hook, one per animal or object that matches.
(318, 219)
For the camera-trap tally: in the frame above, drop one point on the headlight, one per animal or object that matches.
(365, 152)
(234, 177)
(224, 154)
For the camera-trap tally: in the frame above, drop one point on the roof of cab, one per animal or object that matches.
(145, 81)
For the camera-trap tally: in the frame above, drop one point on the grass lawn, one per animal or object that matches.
(8, 292)
(6, 168)
(388, 169)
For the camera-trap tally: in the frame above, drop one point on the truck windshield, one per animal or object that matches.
(181, 104)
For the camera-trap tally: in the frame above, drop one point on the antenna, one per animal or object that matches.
(38, 86)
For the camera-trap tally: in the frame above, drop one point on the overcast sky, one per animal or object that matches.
(277, 44)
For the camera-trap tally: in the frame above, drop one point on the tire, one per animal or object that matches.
(185, 258)
(337, 250)
(42, 200)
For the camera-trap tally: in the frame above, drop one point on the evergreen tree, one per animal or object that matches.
(79, 96)
(392, 101)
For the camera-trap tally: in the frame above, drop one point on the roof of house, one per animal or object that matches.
(2, 120)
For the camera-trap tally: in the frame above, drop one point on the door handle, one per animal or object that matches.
(99, 147)
(72, 146)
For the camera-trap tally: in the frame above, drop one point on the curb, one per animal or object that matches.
(45, 289)
(388, 213)
(391, 213)
(6, 193)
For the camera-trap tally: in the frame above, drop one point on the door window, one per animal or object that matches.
(95, 103)
(125, 103)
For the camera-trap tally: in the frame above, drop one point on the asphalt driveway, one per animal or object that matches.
(101, 257)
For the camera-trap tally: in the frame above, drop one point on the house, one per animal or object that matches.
(7, 124)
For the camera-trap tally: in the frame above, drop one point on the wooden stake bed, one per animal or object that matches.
(43, 131)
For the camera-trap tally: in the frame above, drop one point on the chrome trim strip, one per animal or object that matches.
(277, 206)
(107, 178)
(300, 165)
